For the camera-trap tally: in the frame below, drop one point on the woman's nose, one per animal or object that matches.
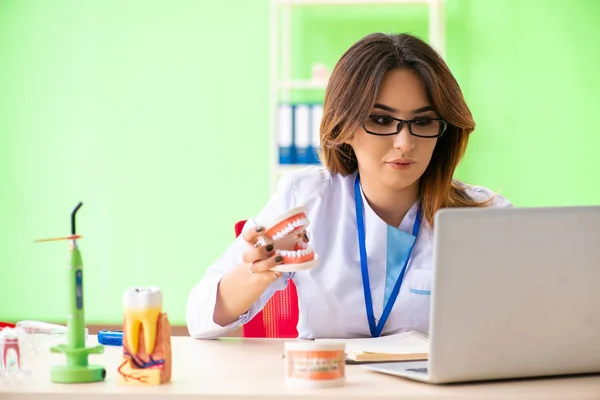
(403, 140)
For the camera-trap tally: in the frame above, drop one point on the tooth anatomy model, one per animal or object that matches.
(287, 234)
(11, 346)
(10, 350)
(146, 339)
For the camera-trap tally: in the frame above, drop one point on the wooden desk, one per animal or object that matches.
(254, 368)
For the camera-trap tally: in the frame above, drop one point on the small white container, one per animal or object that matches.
(314, 364)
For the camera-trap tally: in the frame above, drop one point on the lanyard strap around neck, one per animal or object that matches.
(377, 329)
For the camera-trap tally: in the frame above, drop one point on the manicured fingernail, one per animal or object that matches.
(259, 228)
(269, 247)
(278, 259)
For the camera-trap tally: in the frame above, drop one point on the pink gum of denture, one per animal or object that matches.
(286, 233)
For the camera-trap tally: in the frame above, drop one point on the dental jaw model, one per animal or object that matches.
(146, 339)
(286, 233)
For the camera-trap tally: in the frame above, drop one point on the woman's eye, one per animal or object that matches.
(423, 121)
(383, 121)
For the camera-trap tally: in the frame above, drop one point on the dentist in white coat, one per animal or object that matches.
(394, 128)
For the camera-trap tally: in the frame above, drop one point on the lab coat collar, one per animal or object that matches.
(407, 222)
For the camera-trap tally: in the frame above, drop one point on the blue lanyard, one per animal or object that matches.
(376, 329)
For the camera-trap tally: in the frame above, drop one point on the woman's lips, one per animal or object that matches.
(400, 164)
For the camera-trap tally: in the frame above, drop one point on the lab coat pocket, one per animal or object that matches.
(420, 298)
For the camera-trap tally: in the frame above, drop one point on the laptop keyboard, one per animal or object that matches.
(418, 370)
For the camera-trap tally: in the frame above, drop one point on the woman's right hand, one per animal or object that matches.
(260, 259)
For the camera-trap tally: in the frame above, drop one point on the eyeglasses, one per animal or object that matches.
(426, 127)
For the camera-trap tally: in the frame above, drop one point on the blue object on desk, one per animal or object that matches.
(110, 338)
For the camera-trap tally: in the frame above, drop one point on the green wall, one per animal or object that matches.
(151, 113)
(156, 116)
(529, 70)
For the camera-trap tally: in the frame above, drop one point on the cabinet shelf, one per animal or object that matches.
(284, 168)
(351, 2)
(302, 84)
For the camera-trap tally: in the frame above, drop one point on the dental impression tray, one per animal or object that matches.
(146, 339)
(286, 233)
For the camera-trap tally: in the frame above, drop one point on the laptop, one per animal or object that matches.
(515, 294)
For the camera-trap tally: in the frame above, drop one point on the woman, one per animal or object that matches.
(395, 126)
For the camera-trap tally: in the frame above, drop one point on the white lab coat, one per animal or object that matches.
(331, 299)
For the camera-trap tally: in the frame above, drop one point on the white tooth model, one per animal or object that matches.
(287, 233)
(146, 338)
(142, 308)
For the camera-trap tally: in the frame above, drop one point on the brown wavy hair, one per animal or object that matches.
(350, 96)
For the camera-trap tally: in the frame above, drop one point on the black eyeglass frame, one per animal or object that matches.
(401, 122)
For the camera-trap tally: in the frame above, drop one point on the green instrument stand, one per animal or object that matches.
(77, 369)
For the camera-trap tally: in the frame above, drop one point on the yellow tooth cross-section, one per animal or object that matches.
(148, 319)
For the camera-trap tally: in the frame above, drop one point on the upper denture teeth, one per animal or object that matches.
(290, 227)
